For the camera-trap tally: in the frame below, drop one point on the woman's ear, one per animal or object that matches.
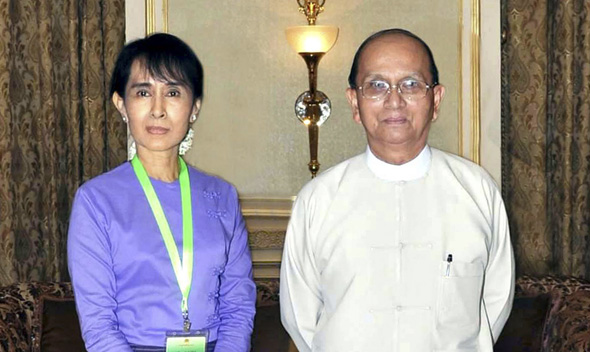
(120, 105)
(196, 109)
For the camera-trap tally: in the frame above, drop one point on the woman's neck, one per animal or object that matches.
(161, 166)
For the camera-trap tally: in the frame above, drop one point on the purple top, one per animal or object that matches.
(125, 287)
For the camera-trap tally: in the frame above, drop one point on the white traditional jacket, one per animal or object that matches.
(409, 258)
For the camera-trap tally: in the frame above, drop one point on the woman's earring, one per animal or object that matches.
(124, 118)
(187, 142)
(131, 149)
(193, 118)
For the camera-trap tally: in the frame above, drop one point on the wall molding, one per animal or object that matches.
(154, 22)
(266, 220)
(262, 239)
(165, 16)
(460, 83)
(475, 81)
(150, 16)
(470, 87)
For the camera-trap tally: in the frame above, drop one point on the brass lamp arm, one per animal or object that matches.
(312, 42)
(312, 60)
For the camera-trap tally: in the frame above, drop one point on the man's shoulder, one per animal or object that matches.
(458, 163)
(331, 179)
(463, 169)
(342, 169)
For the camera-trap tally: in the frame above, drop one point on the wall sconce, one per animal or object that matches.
(312, 107)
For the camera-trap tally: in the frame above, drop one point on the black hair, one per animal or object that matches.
(165, 57)
(357, 56)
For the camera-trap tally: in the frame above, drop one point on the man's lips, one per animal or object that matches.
(157, 130)
(395, 120)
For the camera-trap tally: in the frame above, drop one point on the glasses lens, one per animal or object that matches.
(375, 89)
(412, 89)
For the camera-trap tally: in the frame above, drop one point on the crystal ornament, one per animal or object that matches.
(303, 101)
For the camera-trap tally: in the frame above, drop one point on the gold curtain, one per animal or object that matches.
(546, 134)
(57, 125)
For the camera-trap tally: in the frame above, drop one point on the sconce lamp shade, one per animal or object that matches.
(312, 39)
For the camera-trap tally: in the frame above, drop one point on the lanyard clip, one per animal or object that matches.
(186, 322)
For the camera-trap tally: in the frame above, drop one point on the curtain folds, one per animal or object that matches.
(57, 125)
(546, 134)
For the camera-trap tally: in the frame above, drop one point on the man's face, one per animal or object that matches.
(395, 126)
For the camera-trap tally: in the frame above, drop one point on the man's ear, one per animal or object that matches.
(439, 94)
(119, 104)
(351, 95)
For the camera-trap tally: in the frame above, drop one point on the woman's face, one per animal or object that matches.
(158, 112)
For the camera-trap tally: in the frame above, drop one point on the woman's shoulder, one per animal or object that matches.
(211, 185)
(113, 180)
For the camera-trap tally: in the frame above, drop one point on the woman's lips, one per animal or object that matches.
(156, 130)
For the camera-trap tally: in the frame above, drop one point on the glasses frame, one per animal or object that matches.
(398, 89)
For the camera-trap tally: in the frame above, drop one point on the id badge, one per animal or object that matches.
(186, 341)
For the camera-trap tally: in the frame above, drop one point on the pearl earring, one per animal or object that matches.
(193, 117)
(124, 118)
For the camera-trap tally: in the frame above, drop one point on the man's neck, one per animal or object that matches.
(412, 170)
(399, 155)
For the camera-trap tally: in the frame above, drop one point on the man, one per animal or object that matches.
(404, 247)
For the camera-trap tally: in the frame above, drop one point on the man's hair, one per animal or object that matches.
(385, 32)
(165, 57)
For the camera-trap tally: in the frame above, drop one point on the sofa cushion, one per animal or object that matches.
(60, 329)
(524, 329)
(269, 334)
(569, 328)
(14, 335)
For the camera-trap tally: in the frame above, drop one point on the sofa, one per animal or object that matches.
(548, 314)
(42, 317)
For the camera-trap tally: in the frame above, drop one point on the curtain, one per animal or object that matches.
(58, 127)
(546, 134)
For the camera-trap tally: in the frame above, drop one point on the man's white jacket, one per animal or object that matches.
(421, 262)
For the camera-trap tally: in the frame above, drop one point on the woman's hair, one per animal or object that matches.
(165, 57)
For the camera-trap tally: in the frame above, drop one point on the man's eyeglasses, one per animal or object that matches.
(409, 89)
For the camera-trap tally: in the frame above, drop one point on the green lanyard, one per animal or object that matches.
(184, 273)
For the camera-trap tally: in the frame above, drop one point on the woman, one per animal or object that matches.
(158, 250)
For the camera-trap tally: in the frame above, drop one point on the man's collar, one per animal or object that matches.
(412, 170)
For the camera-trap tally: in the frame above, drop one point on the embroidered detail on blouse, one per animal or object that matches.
(212, 318)
(217, 214)
(211, 194)
(213, 295)
(218, 270)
